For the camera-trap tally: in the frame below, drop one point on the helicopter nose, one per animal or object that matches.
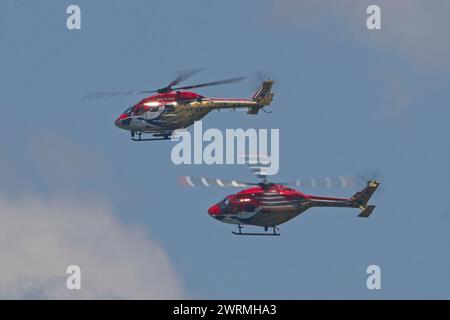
(214, 211)
(122, 121)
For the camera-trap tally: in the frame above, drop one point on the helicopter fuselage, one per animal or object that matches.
(163, 113)
(167, 112)
(261, 207)
(277, 204)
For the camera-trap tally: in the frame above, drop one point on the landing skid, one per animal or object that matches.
(149, 139)
(240, 233)
(157, 137)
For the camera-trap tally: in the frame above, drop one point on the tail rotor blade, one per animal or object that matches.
(369, 174)
(259, 77)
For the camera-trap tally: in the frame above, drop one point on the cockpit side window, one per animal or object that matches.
(224, 203)
(138, 110)
(128, 111)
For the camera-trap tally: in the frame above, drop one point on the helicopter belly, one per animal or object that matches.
(186, 118)
(178, 120)
(240, 218)
(265, 215)
(276, 216)
(143, 126)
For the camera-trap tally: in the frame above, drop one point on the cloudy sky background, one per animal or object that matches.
(75, 190)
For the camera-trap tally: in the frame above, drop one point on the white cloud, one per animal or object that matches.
(415, 29)
(40, 237)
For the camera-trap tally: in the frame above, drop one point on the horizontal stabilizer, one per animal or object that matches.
(366, 212)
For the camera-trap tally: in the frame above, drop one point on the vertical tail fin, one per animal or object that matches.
(263, 96)
(363, 197)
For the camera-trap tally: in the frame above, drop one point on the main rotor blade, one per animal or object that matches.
(183, 75)
(214, 83)
(357, 181)
(112, 94)
(209, 182)
(327, 182)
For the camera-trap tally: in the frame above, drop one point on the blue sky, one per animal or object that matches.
(347, 98)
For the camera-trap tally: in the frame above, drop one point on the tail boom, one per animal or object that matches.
(263, 97)
(358, 200)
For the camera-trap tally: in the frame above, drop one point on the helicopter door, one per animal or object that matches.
(169, 107)
(249, 208)
(153, 113)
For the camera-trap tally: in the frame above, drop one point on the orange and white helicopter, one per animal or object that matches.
(173, 108)
(267, 204)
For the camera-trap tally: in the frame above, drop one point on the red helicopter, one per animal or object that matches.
(268, 205)
(172, 108)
